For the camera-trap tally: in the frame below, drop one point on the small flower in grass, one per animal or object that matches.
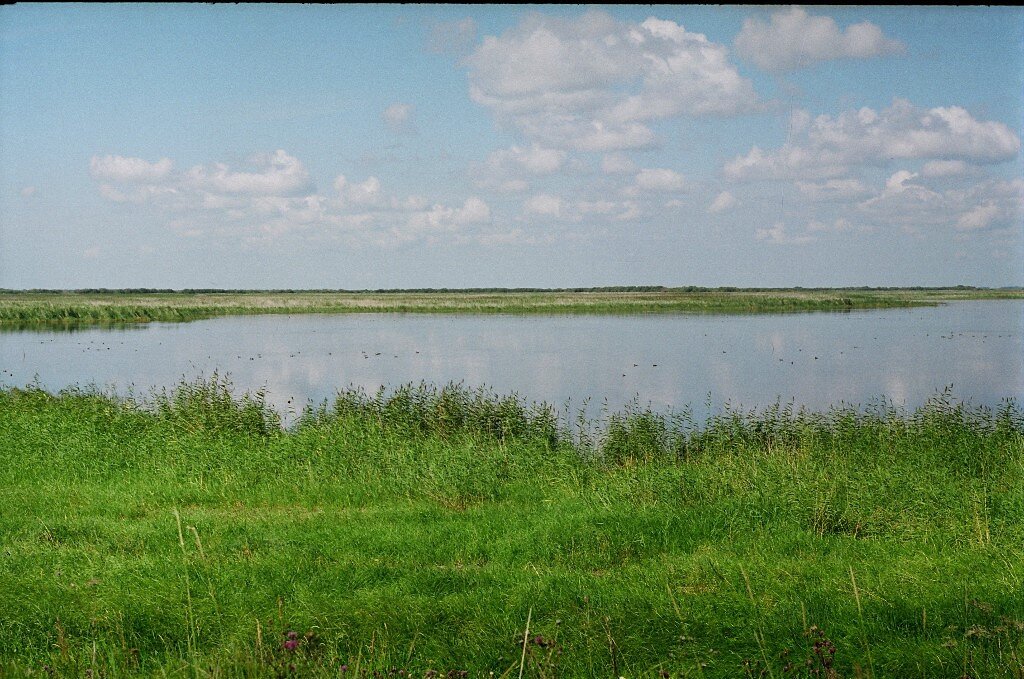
(291, 640)
(343, 669)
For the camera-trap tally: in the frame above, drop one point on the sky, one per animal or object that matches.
(415, 146)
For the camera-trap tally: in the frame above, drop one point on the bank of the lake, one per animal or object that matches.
(104, 306)
(425, 531)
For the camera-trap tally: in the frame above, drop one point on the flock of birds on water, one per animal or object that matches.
(99, 345)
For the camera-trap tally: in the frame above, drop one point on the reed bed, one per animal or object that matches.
(444, 531)
(20, 307)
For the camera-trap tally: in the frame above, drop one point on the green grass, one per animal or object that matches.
(425, 530)
(19, 309)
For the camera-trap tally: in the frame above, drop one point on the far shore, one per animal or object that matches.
(145, 305)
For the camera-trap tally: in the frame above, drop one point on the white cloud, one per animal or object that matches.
(776, 235)
(340, 184)
(129, 170)
(505, 169)
(144, 193)
(365, 193)
(795, 39)
(660, 179)
(259, 208)
(978, 217)
(278, 174)
(473, 211)
(368, 192)
(446, 219)
(788, 162)
(28, 192)
(410, 203)
(834, 190)
(535, 160)
(723, 202)
(630, 211)
(981, 207)
(897, 182)
(592, 83)
(397, 113)
(827, 146)
(544, 204)
(398, 117)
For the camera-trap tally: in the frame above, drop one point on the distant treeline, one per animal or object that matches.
(607, 288)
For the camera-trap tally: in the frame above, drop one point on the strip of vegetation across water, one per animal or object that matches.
(448, 532)
(138, 306)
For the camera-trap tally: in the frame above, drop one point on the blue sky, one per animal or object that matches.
(444, 146)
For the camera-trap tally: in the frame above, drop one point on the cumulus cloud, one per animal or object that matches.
(979, 217)
(777, 235)
(827, 146)
(723, 202)
(277, 199)
(145, 193)
(544, 204)
(129, 170)
(506, 170)
(915, 206)
(365, 193)
(593, 83)
(398, 116)
(660, 179)
(535, 160)
(275, 174)
(441, 218)
(833, 190)
(794, 39)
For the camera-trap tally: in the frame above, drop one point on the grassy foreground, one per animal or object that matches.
(451, 532)
(25, 307)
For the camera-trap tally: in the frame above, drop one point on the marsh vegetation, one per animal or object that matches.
(444, 531)
(105, 306)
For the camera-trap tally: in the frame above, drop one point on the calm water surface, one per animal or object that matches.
(815, 360)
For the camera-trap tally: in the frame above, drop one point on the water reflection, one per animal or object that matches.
(815, 360)
(66, 326)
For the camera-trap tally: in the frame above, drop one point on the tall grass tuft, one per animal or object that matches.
(210, 406)
(424, 410)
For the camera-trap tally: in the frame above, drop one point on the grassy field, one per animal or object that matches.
(445, 532)
(26, 307)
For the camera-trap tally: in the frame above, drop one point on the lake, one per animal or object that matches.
(668, 361)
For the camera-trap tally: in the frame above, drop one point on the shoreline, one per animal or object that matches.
(89, 307)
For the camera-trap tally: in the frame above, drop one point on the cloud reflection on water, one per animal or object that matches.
(815, 360)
